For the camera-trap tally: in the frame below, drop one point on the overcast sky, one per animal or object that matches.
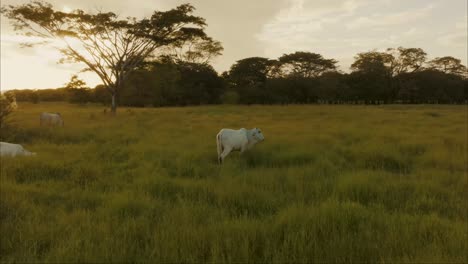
(334, 28)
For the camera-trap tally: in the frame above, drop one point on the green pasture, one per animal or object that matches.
(331, 183)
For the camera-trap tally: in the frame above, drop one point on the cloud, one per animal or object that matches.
(301, 24)
(381, 21)
(462, 23)
(341, 29)
(458, 37)
(306, 17)
(334, 27)
(454, 40)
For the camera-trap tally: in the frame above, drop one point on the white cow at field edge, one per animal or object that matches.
(10, 149)
(228, 140)
(52, 119)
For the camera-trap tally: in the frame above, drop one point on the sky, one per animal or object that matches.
(337, 29)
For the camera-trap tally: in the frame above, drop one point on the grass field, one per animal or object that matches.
(329, 184)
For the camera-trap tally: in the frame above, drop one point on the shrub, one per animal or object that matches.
(7, 106)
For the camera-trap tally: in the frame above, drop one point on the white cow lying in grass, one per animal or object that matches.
(9, 149)
(228, 140)
(51, 119)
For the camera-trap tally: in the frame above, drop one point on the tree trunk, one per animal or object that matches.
(113, 105)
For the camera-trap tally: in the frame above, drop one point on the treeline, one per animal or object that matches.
(402, 75)
(76, 95)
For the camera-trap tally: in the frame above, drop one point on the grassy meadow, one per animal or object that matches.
(329, 184)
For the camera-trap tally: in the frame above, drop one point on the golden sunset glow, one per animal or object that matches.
(66, 9)
(337, 28)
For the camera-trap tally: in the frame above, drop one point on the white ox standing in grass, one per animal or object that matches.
(51, 119)
(228, 140)
(10, 149)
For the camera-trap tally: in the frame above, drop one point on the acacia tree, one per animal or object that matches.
(371, 76)
(448, 64)
(250, 71)
(107, 45)
(305, 64)
(248, 77)
(406, 60)
(75, 83)
(78, 91)
(373, 61)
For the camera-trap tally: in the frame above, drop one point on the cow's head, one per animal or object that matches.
(258, 135)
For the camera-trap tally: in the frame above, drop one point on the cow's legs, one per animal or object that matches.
(225, 152)
(243, 148)
(219, 147)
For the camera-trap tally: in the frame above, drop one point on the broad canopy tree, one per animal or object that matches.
(247, 77)
(406, 60)
(394, 61)
(371, 76)
(167, 82)
(448, 64)
(110, 46)
(250, 71)
(305, 64)
(373, 62)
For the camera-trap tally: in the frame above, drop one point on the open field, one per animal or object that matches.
(329, 184)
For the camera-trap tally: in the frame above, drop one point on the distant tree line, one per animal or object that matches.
(163, 60)
(401, 75)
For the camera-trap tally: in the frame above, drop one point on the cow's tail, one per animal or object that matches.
(219, 146)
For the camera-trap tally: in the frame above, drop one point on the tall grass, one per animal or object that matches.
(329, 184)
